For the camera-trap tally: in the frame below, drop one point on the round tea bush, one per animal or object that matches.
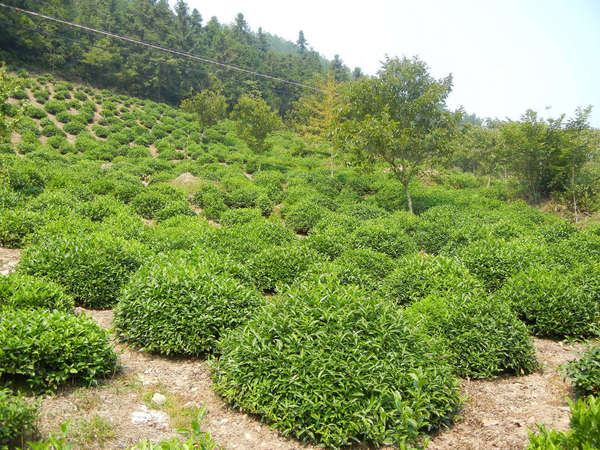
(55, 107)
(240, 216)
(74, 127)
(553, 303)
(585, 371)
(28, 292)
(91, 267)
(179, 307)
(34, 112)
(493, 261)
(47, 349)
(484, 336)
(15, 226)
(276, 266)
(381, 237)
(416, 277)
(331, 241)
(336, 366)
(17, 417)
(303, 215)
(363, 267)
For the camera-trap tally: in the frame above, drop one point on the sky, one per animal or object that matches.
(505, 56)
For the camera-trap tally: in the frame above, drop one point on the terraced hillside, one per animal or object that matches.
(157, 269)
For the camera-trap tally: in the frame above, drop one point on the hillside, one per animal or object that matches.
(140, 71)
(296, 307)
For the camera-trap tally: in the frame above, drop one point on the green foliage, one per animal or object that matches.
(208, 106)
(92, 267)
(482, 334)
(275, 267)
(304, 215)
(583, 435)
(380, 236)
(555, 303)
(585, 371)
(336, 366)
(417, 276)
(55, 107)
(25, 292)
(363, 267)
(15, 225)
(16, 416)
(47, 349)
(493, 261)
(240, 216)
(254, 121)
(176, 306)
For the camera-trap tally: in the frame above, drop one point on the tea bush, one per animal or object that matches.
(381, 237)
(363, 267)
(55, 107)
(182, 307)
(585, 371)
(15, 225)
(17, 417)
(553, 303)
(416, 277)
(336, 366)
(303, 215)
(47, 349)
(28, 292)
(277, 266)
(484, 336)
(493, 261)
(91, 267)
(240, 216)
(584, 432)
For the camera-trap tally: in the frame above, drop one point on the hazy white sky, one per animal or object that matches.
(505, 56)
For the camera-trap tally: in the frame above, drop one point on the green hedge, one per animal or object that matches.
(92, 268)
(25, 291)
(179, 307)
(336, 366)
(47, 349)
(555, 303)
(417, 276)
(484, 336)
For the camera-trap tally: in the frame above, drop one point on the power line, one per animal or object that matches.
(160, 48)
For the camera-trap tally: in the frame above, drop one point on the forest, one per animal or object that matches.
(195, 258)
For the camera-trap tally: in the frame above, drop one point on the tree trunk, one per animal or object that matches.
(489, 181)
(408, 198)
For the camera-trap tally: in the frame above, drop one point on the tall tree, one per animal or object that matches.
(208, 106)
(301, 42)
(255, 120)
(399, 117)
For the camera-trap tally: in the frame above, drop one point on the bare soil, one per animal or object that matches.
(8, 260)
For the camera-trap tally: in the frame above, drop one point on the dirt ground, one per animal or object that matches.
(119, 412)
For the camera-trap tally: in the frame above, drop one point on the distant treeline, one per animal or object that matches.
(140, 71)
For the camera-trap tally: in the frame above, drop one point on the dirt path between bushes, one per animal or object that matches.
(119, 412)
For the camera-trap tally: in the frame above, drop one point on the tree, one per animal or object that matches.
(339, 70)
(255, 120)
(301, 42)
(548, 155)
(208, 106)
(317, 114)
(399, 117)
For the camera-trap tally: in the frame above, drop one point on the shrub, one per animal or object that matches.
(34, 112)
(493, 261)
(16, 417)
(554, 303)
(331, 241)
(171, 306)
(336, 366)
(15, 226)
(484, 336)
(26, 292)
(148, 202)
(363, 267)
(416, 277)
(55, 107)
(303, 215)
(585, 371)
(174, 208)
(91, 267)
(52, 130)
(240, 216)
(47, 349)
(74, 127)
(381, 237)
(277, 266)
(584, 432)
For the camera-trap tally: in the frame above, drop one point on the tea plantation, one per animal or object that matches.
(324, 308)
